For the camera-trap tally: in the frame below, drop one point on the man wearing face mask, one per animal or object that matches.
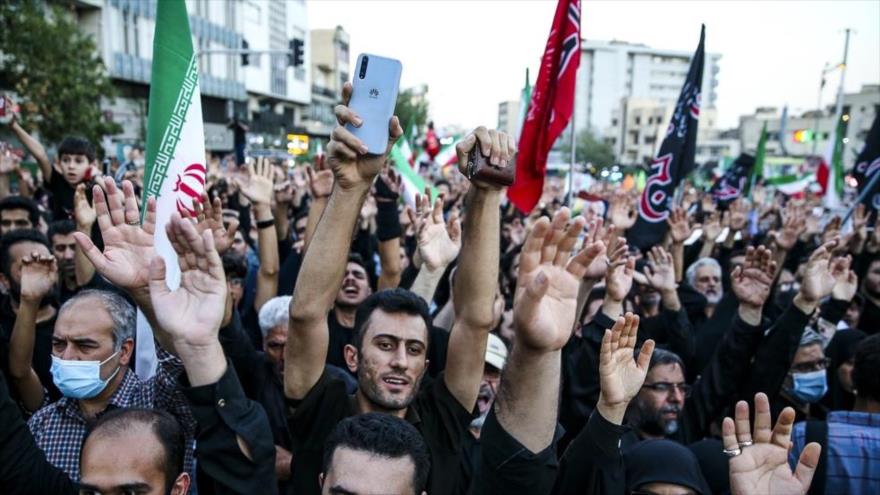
(91, 351)
(806, 382)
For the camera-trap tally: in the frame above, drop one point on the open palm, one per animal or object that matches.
(191, 313)
(762, 467)
(620, 375)
(546, 298)
(751, 282)
(128, 247)
(439, 243)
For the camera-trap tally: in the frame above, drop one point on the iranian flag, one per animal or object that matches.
(830, 173)
(175, 170)
(524, 99)
(413, 183)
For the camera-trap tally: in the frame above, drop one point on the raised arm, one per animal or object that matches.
(38, 277)
(85, 217)
(476, 280)
(544, 311)
(438, 244)
(258, 190)
(386, 190)
(679, 230)
(32, 145)
(323, 269)
(320, 186)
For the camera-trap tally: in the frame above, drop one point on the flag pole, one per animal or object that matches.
(872, 184)
(572, 157)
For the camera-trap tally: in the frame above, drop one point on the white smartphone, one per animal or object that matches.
(373, 97)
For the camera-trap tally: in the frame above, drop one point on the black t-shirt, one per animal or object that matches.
(42, 360)
(435, 412)
(62, 197)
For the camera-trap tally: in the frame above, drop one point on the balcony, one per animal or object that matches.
(327, 92)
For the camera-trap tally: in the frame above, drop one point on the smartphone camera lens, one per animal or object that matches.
(364, 62)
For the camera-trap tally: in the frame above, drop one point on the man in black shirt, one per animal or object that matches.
(391, 328)
(14, 247)
(354, 289)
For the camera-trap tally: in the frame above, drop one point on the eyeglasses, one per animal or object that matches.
(275, 345)
(817, 365)
(666, 387)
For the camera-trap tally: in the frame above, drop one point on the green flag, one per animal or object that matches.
(760, 155)
(525, 98)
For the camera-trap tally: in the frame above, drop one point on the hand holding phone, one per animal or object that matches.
(373, 97)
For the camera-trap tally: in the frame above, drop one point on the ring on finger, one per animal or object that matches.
(747, 443)
(732, 452)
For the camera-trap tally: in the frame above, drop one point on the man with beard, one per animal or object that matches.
(392, 326)
(14, 248)
(667, 406)
(705, 276)
(496, 356)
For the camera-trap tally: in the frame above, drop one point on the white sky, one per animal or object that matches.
(473, 53)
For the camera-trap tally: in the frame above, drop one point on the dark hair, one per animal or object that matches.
(662, 356)
(21, 203)
(61, 227)
(391, 301)
(358, 260)
(381, 435)
(234, 264)
(13, 238)
(865, 379)
(117, 422)
(73, 145)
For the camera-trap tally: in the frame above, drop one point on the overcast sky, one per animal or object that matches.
(473, 53)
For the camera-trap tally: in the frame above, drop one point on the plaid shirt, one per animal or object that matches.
(59, 428)
(853, 452)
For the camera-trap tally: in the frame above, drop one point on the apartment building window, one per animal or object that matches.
(638, 120)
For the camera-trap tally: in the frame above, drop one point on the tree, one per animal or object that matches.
(412, 108)
(56, 71)
(588, 149)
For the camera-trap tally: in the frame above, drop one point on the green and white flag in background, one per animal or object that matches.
(175, 163)
(525, 99)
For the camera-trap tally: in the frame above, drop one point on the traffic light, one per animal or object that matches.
(295, 57)
(803, 136)
(245, 57)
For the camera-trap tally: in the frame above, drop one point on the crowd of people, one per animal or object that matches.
(328, 338)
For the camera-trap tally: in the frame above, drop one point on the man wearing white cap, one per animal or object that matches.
(496, 355)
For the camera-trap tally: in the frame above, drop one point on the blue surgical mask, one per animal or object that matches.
(810, 387)
(80, 379)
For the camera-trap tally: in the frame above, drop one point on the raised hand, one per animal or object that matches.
(738, 212)
(832, 229)
(712, 227)
(347, 155)
(615, 247)
(498, 146)
(438, 243)
(388, 186)
(621, 376)
(83, 211)
(679, 226)
(622, 212)
(619, 277)
(847, 282)
(190, 313)
(9, 162)
(128, 245)
(794, 224)
(320, 182)
(547, 285)
(659, 272)
(762, 467)
(751, 282)
(39, 274)
(820, 274)
(259, 187)
(209, 216)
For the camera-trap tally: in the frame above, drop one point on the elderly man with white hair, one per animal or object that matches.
(705, 276)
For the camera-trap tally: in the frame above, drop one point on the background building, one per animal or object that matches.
(816, 127)
(270, 95)
(330, 70)
(508, 113)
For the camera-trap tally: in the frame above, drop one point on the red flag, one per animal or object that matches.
(551, 106)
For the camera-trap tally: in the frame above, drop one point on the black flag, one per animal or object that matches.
(734, 182)
(674, 160)
(868, 163)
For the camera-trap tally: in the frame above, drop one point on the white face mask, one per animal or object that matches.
(80, 379)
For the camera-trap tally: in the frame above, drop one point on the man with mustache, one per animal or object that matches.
(705, 277)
